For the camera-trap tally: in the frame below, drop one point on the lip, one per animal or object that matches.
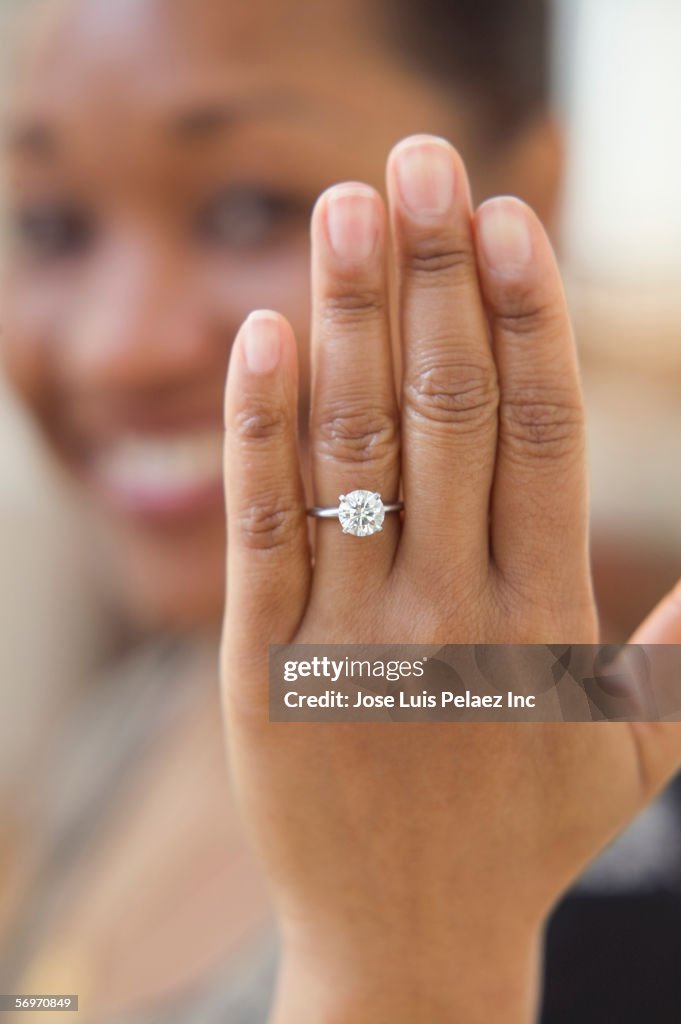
(180, 506)
(168, 477)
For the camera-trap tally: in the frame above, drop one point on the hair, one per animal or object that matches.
(495, 51)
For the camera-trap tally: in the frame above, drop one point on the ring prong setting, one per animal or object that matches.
(361, 513)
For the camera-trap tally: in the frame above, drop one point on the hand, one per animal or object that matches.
(413, 865)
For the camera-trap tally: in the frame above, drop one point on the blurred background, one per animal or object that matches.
(618, 79)
(618, 82)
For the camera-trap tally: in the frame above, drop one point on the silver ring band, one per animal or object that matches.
(318, 512)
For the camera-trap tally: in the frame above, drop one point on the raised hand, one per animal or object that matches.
(413, 865)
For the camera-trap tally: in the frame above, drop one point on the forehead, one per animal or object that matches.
(155, 49)
(93, 73)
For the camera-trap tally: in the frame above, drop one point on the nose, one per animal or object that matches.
(137, 322)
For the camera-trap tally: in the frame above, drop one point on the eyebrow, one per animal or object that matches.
(210, 119)
(196, 123)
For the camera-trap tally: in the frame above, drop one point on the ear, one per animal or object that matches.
(531, 166)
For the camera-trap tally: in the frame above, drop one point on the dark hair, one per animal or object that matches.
(495, 51)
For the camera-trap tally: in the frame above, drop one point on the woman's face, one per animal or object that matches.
(162, 160)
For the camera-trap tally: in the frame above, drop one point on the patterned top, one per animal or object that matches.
(92, 754)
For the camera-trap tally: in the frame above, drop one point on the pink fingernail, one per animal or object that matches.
(425, 175)
(505, 235)
(352, 222)
(262, 341)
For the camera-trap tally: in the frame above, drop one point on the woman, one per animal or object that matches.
(163, 159)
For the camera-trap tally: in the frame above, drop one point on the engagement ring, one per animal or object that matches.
(360, 513)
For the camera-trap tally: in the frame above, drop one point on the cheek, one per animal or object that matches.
(29, 319)
(169, 579)
(278, 279)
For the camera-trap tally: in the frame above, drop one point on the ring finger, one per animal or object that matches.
(354, 433)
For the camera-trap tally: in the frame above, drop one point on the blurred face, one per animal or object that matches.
(162, 159)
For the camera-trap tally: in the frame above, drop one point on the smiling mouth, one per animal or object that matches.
(162, 475)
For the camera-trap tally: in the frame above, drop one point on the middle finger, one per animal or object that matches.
(450, 394)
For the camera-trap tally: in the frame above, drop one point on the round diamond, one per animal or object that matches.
(361, 513)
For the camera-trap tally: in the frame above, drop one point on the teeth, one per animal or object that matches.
(157, 466)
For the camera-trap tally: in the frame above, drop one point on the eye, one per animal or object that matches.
(242, 217)
(53, 230)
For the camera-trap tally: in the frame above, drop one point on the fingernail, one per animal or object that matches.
(505, 236)
(262, 341)
(425, 175)
(352, 222)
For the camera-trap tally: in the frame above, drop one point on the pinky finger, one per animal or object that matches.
(539, 499)
(268, 556)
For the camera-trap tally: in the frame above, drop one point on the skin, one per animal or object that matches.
(132, 334)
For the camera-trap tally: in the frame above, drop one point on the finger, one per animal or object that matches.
(659, 743)
(449, 400)
(268, 558)
(539, 504)
(354, 443)
(663, 625)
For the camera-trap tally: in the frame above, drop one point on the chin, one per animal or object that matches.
(170, 579)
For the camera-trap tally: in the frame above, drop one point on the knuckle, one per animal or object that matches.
(259, 424)
(521, 314)
(464, 396)
(267, 525)
(369, 436)
(536, 427)
(353, 305)
(434, 257)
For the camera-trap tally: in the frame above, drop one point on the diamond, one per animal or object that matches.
(361, 513)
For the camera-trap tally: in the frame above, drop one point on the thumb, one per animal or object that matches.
(659, 743)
